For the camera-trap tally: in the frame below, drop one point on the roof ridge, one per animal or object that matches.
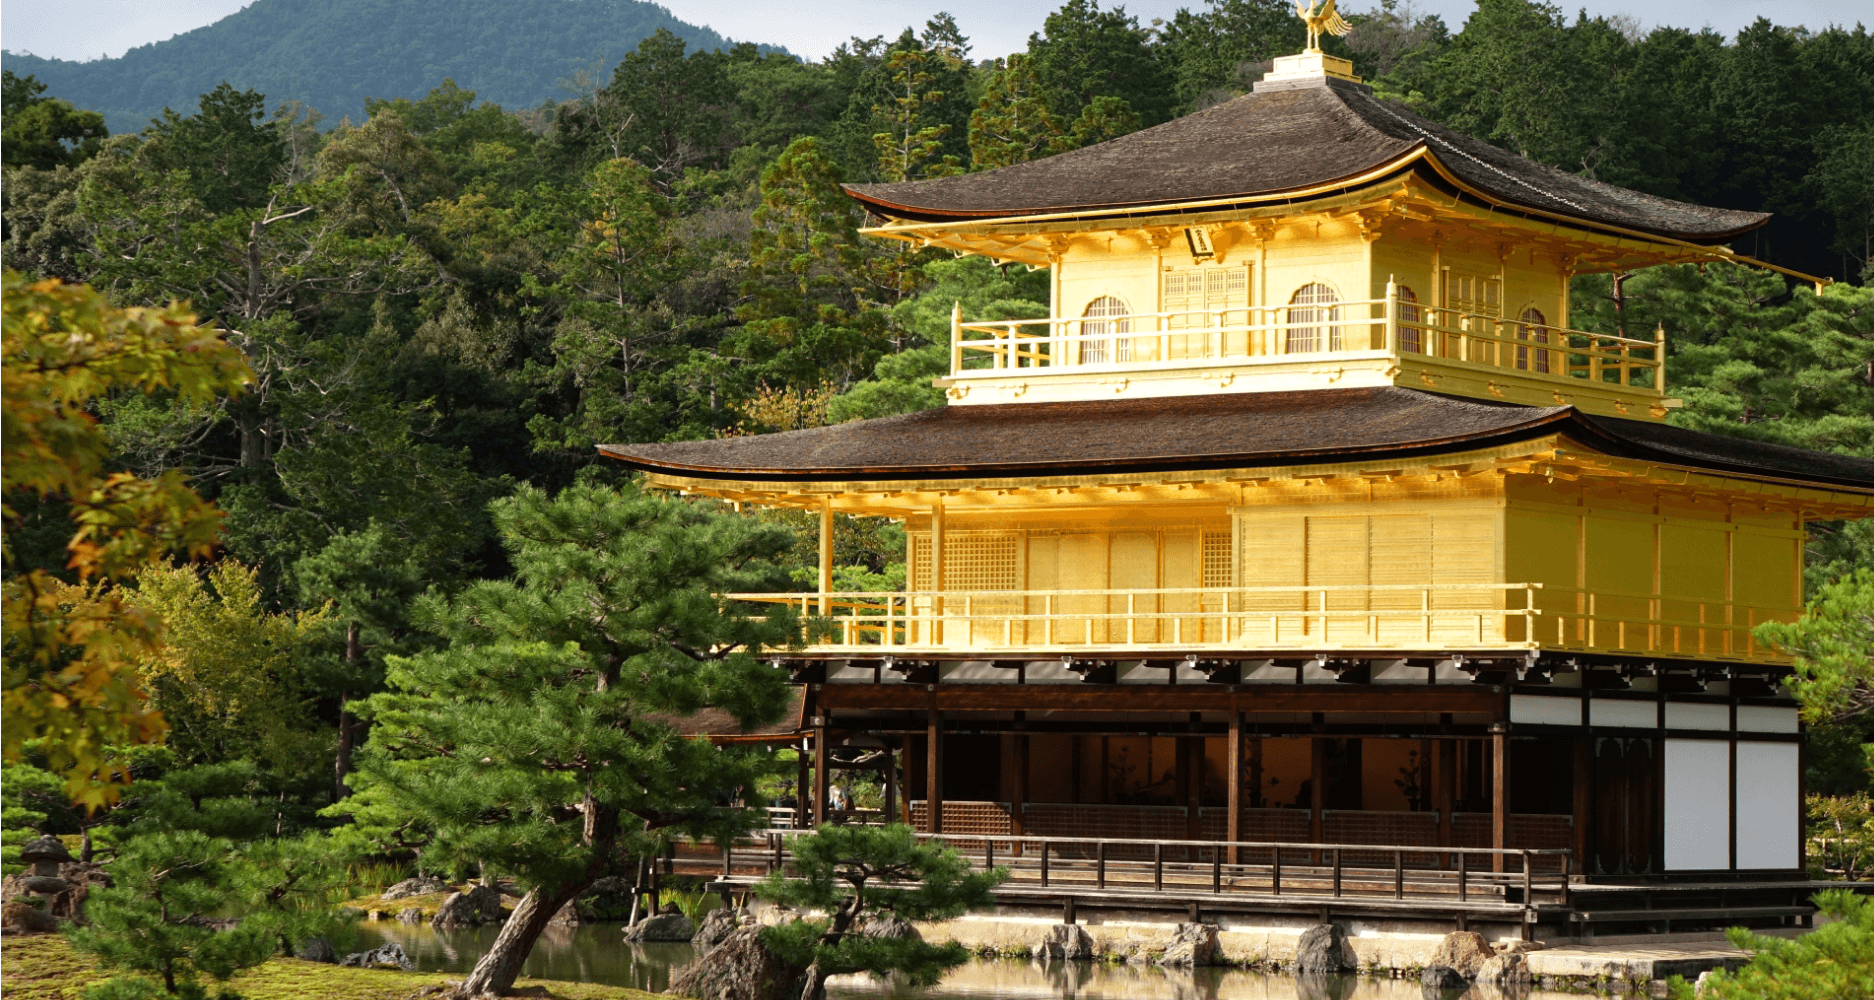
(1500, 172)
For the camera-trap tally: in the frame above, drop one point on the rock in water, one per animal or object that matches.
(886, 925)
(1193, 945)
(1325, 985)
(740, 968)
(1441, 977)
(412, 915)
(1463, 952)
(608, 898)
(663, 927)
(1508, 970)
(716, 927)
(422, 885)
(1324, 948)
(479, 905)
(568, 916)
(390, 956)
(1065, 943)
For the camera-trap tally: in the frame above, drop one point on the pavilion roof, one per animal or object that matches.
(1300, 136)
(1215, 431)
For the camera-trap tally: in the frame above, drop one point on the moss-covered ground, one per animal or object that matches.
(44, 967)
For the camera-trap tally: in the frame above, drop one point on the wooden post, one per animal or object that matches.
(1499, 793)
(1317, 793)
(1444, 783)
(1233, 823)
(934, 771)
(803, 795)
(891, 785)
(826, 555)
(1018, 801)
(1392, 314)
(820, 775)
(905, 805)
(1194, 787)
(1584, 800)
(956, 338)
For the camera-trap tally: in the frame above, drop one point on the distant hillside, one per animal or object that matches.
(332, 54)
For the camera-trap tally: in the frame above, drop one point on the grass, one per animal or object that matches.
(44, 967)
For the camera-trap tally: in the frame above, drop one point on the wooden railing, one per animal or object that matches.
(1388, 326)
(1131, 869)
(1404, 617)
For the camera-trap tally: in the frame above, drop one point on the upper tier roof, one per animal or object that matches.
(1299, 136)
(1220, 431)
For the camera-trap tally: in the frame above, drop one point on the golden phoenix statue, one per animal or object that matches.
(1328, 20)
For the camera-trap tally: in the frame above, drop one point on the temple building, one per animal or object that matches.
(1305, 517)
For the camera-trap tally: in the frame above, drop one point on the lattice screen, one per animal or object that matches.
(1216, 559)
(973, 560)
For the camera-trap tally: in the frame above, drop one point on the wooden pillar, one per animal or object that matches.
(891, 785)
(1584, 800)
(820, 774)
(803, 796)
(1019, 800)
(1194, 787)
(905, 760)
(1444, 786)
(1499, 793)
(826, 555)
(934, 771)
(1317, 792)
(1233, 823)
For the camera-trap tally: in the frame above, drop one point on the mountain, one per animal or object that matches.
(332, 54)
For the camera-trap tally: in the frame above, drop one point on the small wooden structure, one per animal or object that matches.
(1306, 518)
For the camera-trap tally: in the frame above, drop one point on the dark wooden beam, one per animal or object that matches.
(1159, 698)
(934, 770)
(1499, 794)
(822, 757)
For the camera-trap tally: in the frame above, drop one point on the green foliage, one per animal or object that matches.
(1841, 835)
(1083, 53)
(27, 796)
(1833, 646)
(852, 872)
(151, 922)
(1833, 962)
(43, 132)
(1011, 123)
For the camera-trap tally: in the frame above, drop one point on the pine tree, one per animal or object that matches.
(1012, 123)
(855, 872)
(538, 741)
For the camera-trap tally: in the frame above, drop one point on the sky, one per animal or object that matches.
(88, 29)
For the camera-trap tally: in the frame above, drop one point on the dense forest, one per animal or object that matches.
(446, 303)
(333, 55)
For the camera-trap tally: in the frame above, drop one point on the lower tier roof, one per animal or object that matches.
(1220, 431)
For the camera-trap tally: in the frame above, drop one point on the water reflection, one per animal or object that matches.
(595, 953)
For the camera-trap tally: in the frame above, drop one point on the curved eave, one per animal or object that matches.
(922, 217)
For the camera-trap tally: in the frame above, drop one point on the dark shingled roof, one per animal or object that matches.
(1220, 431)
(1279, 140)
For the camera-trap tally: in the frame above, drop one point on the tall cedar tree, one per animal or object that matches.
(1012, 124)
(537, 741)
(855, 872)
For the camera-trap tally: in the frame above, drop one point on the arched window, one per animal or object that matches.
(1411, 335)
(1104, 317)
(1312, 318)
(1532, 326)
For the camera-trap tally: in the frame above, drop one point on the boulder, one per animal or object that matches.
(885, 925)
(389, 956)
(422, 885)
(471, 908)
(318, 949)
(1324, 948)
(716, 927)
(412, 915)
(567, 916)
(1442, 977)
(1065, 943)
(1463, 952)
(1509, 969)
(608, 898)
(740, 968)
(24, 918)
(662, 927)
(1192, 945)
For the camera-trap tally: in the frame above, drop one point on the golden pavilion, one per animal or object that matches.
(1306, 518)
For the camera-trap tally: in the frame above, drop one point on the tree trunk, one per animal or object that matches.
(495, 973)
(815, 984)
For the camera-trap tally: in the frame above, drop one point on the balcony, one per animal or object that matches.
(1387, 340)
(1243, 621)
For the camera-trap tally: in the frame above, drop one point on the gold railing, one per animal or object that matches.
(1381, 617)
(1271, 334)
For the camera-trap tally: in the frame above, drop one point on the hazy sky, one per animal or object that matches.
(87, 29)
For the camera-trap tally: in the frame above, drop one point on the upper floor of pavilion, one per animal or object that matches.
(1306, 235)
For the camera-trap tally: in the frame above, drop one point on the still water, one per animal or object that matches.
(594, 954)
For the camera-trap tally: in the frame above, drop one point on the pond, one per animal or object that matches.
(594, 954)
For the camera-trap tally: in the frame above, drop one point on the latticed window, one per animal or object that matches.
(1103, 319)
(1313, 320)
(1411, 335)
(1533, 327)
(1216, 559)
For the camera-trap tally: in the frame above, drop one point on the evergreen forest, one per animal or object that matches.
(439, 305)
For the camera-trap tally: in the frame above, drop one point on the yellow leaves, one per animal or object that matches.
(70, 648)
